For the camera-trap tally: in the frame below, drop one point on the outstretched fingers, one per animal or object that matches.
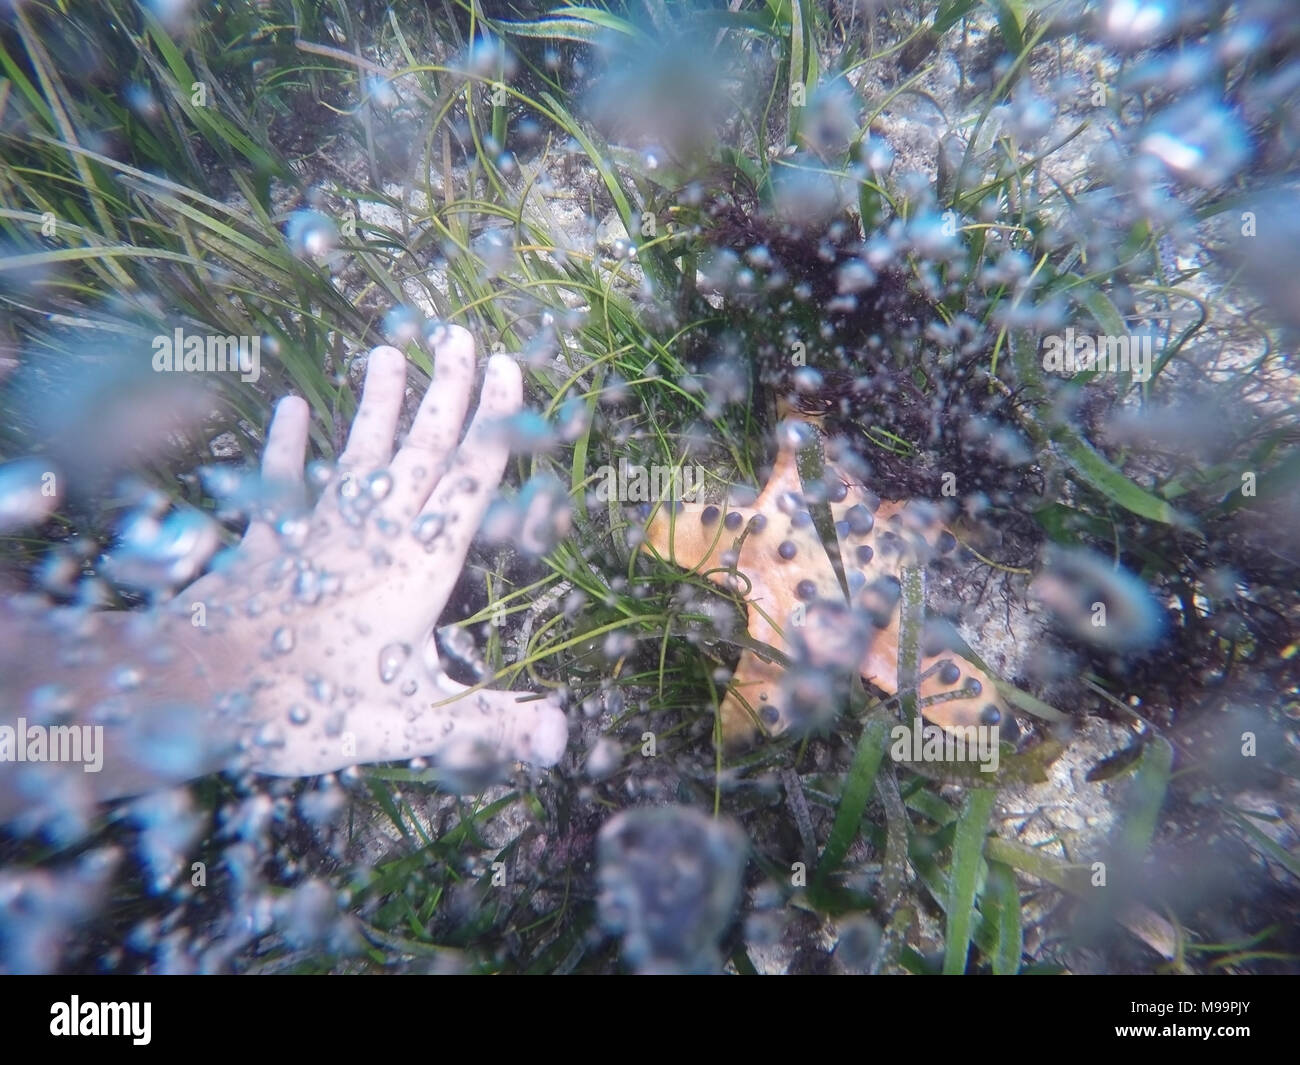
(460, 499)
(419, 463)
(370, 443)
(282, 466)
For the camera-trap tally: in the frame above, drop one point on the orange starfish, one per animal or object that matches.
(771, 551)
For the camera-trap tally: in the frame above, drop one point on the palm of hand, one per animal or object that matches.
(339, 662)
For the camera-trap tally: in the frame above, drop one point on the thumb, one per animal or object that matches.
(512, 725)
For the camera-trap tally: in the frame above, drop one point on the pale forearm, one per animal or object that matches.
(147, 693)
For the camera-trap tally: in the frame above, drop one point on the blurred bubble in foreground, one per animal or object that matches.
(1097, 601)
(669, 881)
(29, 492)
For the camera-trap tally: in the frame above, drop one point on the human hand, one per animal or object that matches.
(340, 666)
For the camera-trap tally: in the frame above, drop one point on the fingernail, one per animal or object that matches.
(500, 364)
(385, 353)
(291, 402)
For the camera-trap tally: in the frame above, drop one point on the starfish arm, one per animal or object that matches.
(772, 554)
(745, 708)
(695, 536)
(877, 542)
(784, 478)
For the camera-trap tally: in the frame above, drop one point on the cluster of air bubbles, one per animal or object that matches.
(1132, 25)
(168, 827)
(810, 699)
(1198, 140)
(724, 382)
(535, 520)
(50, 703)
(1270, 261)
(320, 689)
(248, 819)
(664, 96)
(308, 584)
(311, 234)
(719, 618)
(527, 131)
(829, 488)
(962, 335)
(764, 928)
(574, 603)
(40, 910)
(358, 495)
(540, 349)
(1002, 443)
(322, 805)
(155, 554)
(57, 807)
(717, 269)
(669, 880)
(243, 493)
(309, 918)
(402, 324)
(1012, 267)
(1038, 316)
(269, 735)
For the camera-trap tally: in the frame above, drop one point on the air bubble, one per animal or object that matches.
(391, 660)
(428, 527)
(311, 234)
(28, 493)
